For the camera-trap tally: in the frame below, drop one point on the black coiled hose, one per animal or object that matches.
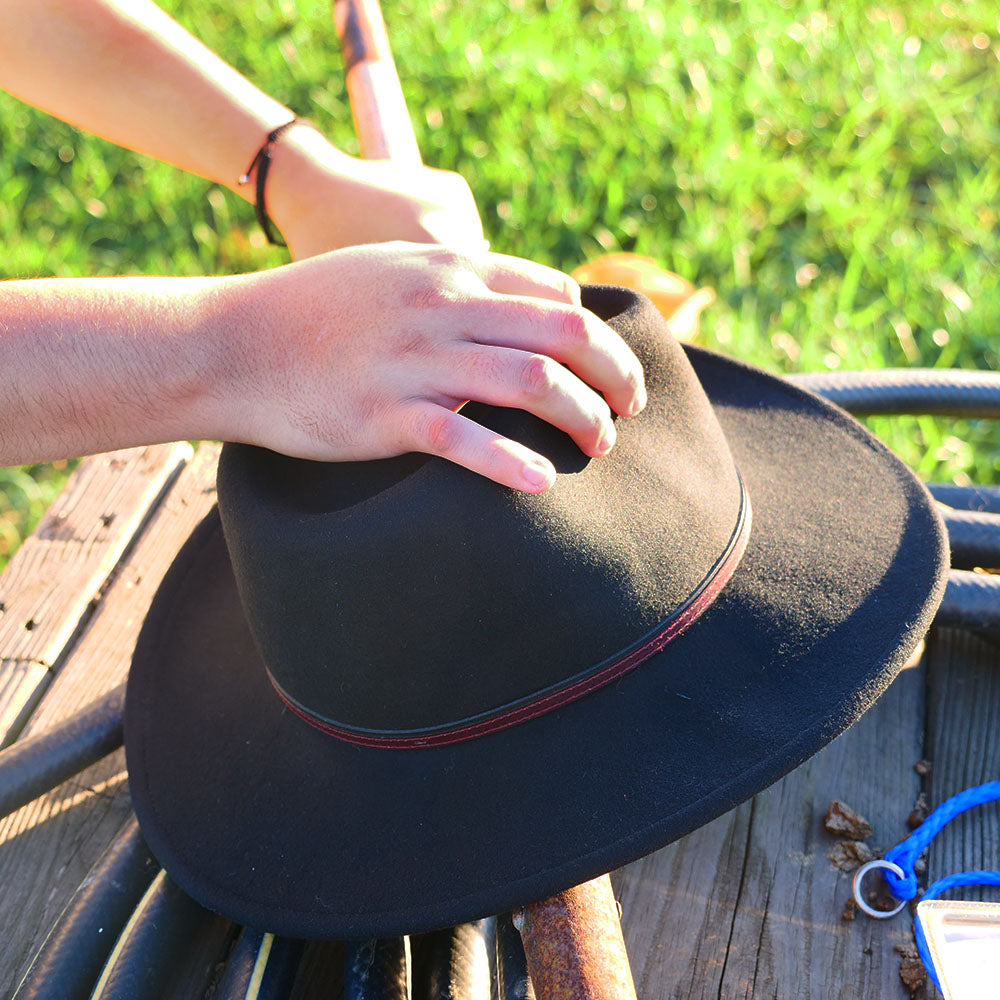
(37, 764)
(971, 600)
(261, 967)
(981, 499)
(72, 956)
(375, 969)
(933, 391)
(155, 939)
(453, 964)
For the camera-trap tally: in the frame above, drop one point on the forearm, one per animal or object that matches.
(88, 365)
(127, 72)
(124, 70)
(354, 355)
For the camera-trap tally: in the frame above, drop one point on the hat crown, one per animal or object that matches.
(411, 596)
(272, 822)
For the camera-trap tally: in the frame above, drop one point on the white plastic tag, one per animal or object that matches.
(964, 941)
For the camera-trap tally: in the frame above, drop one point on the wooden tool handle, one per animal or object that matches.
(574, 947)
(381, 120)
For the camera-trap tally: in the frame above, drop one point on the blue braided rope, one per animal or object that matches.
(906, 853)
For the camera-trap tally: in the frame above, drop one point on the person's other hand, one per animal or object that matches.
(322, 199)
(370, 352)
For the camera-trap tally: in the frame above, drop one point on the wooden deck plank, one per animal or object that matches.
(963, 747)
(103, 652)
(48, 846)
(47, 589)
(21, 685)
(678, 907)
(751, 905)
(789, 938)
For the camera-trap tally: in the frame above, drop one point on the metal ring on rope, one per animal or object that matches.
(858, 886)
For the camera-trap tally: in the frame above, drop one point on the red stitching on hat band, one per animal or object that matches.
(682, 619)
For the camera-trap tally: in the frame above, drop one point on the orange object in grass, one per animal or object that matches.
(676, 298)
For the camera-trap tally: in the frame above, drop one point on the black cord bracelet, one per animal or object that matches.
(261, 163)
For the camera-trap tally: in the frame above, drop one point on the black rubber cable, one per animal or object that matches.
(153, 944)
(512, 968)
(375, 969)
(940, 392)
(75, 950)
(261, 967)
(982, 499)
(452, 964)
(33, 766)
(971, 601)
(974, 539)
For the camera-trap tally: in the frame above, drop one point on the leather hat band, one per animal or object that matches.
(574, 687)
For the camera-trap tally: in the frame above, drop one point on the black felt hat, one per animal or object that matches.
(379, 698)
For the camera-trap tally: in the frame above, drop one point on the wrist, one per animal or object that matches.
(242, 182)
(224, 331)
(282, 183)
(258, 172)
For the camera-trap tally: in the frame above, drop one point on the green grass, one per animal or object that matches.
(831, 170)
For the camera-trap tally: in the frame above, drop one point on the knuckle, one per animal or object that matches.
(448, 257)
(602, 421)
(598, 416)
(524, 313)
(415, 344)
(572, 328)
(437, 433)
(427, 295)
(538, 375)
(372, 408)
(635, 377)
(482, 368)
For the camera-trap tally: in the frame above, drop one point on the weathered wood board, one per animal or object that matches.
(48, 847)
(752, 905)
(963, 749)
(48, 588)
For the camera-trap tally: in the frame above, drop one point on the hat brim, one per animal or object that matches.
(265, 819)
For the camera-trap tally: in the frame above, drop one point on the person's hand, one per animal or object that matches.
(322, 199)
(369, 352)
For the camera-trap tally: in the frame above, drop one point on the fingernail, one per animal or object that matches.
(538, 475)
(607, 440)
(639, 403)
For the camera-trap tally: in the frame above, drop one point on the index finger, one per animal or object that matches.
(571, 335)
(515, 276)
